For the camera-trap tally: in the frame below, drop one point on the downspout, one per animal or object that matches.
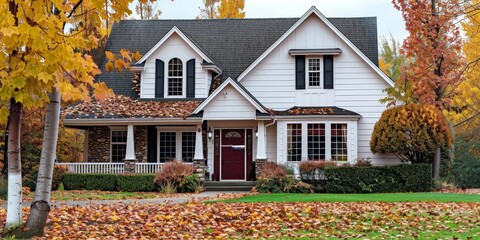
(270, 124)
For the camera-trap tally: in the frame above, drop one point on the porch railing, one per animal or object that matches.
(115, 168)
(90, 167)
(148, 167)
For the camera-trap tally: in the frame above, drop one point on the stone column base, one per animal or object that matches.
(200, 168)
(129, 166)
(259, 166)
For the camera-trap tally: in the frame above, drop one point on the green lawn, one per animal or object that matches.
(375, 197)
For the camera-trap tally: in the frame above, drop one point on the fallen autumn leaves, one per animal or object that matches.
(260, 220)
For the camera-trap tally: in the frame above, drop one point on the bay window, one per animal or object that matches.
(317, 141)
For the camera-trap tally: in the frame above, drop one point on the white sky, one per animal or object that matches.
(389, 20)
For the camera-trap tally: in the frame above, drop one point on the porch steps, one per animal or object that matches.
(239, 186)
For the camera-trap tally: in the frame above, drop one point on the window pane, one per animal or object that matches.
(118, 152)
(316, 141)
(119, 136)
(339, 142)
(314, 64)
(175, 86)
(168, 146)
(314, 79)
(294, 142)
(314, 72)
(188, 146)
(175, 77)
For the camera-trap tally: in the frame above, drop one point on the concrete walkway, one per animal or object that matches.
(170, 200)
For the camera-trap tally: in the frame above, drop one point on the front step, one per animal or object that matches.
(229, 186)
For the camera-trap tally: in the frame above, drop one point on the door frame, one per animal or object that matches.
(245, 154)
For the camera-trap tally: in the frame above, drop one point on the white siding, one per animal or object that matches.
(357, 87)
(229, 104)
(174, 47)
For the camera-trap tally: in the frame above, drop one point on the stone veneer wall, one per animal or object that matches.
(99, 144)
(141, 134)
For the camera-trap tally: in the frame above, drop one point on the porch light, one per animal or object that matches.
(256, 132)
(209, 134)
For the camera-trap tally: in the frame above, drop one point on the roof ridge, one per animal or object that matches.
(233, 19)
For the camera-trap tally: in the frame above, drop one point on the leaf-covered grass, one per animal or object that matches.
(81, 195)
(375, 197)
(309, 220)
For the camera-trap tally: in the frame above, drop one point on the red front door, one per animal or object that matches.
(233, 154)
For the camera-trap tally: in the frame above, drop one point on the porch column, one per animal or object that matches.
(198, 143)
(261, 141)
(130, 152)
(198, 160)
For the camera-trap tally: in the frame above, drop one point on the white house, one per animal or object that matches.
(228, 93)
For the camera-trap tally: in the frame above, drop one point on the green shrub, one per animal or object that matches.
(399, 178)
(3, 187)
(30, 178)
(466, 166)
(282, 185)
(412, 132)
(189, 184)
(136, 183)
(103, 182)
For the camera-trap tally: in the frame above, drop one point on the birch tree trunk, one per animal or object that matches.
(14, 199)
(41, 202)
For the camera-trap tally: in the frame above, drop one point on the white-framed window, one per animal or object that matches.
(176, 143)
(314, 73)
(294, 142)
(339, 142)
(118, 144)
(317, 141)
(175, 78)
(167, 146)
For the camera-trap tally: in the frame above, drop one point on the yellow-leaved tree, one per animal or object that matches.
(466, 105)
(231, 9)
(45, 58)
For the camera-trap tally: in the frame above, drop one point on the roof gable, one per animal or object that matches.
(177, 31)
(314, 11)
(258, 106)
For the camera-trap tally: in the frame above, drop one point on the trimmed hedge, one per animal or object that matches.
(136, 183)
(379, 179)
(109, 182)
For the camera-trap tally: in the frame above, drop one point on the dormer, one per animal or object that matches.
(175, 68)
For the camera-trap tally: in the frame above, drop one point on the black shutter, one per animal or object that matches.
(152, 144)
(328, 72)
(299, 72)
(191, 78)
(159, 78)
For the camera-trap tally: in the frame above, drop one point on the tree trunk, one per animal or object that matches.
(436, 164)
(14, 200)
(41, 202)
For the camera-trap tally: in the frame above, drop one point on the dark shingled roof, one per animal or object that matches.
(233, 44)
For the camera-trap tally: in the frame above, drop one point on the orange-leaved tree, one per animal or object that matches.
(434, 42)
(44, 50)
